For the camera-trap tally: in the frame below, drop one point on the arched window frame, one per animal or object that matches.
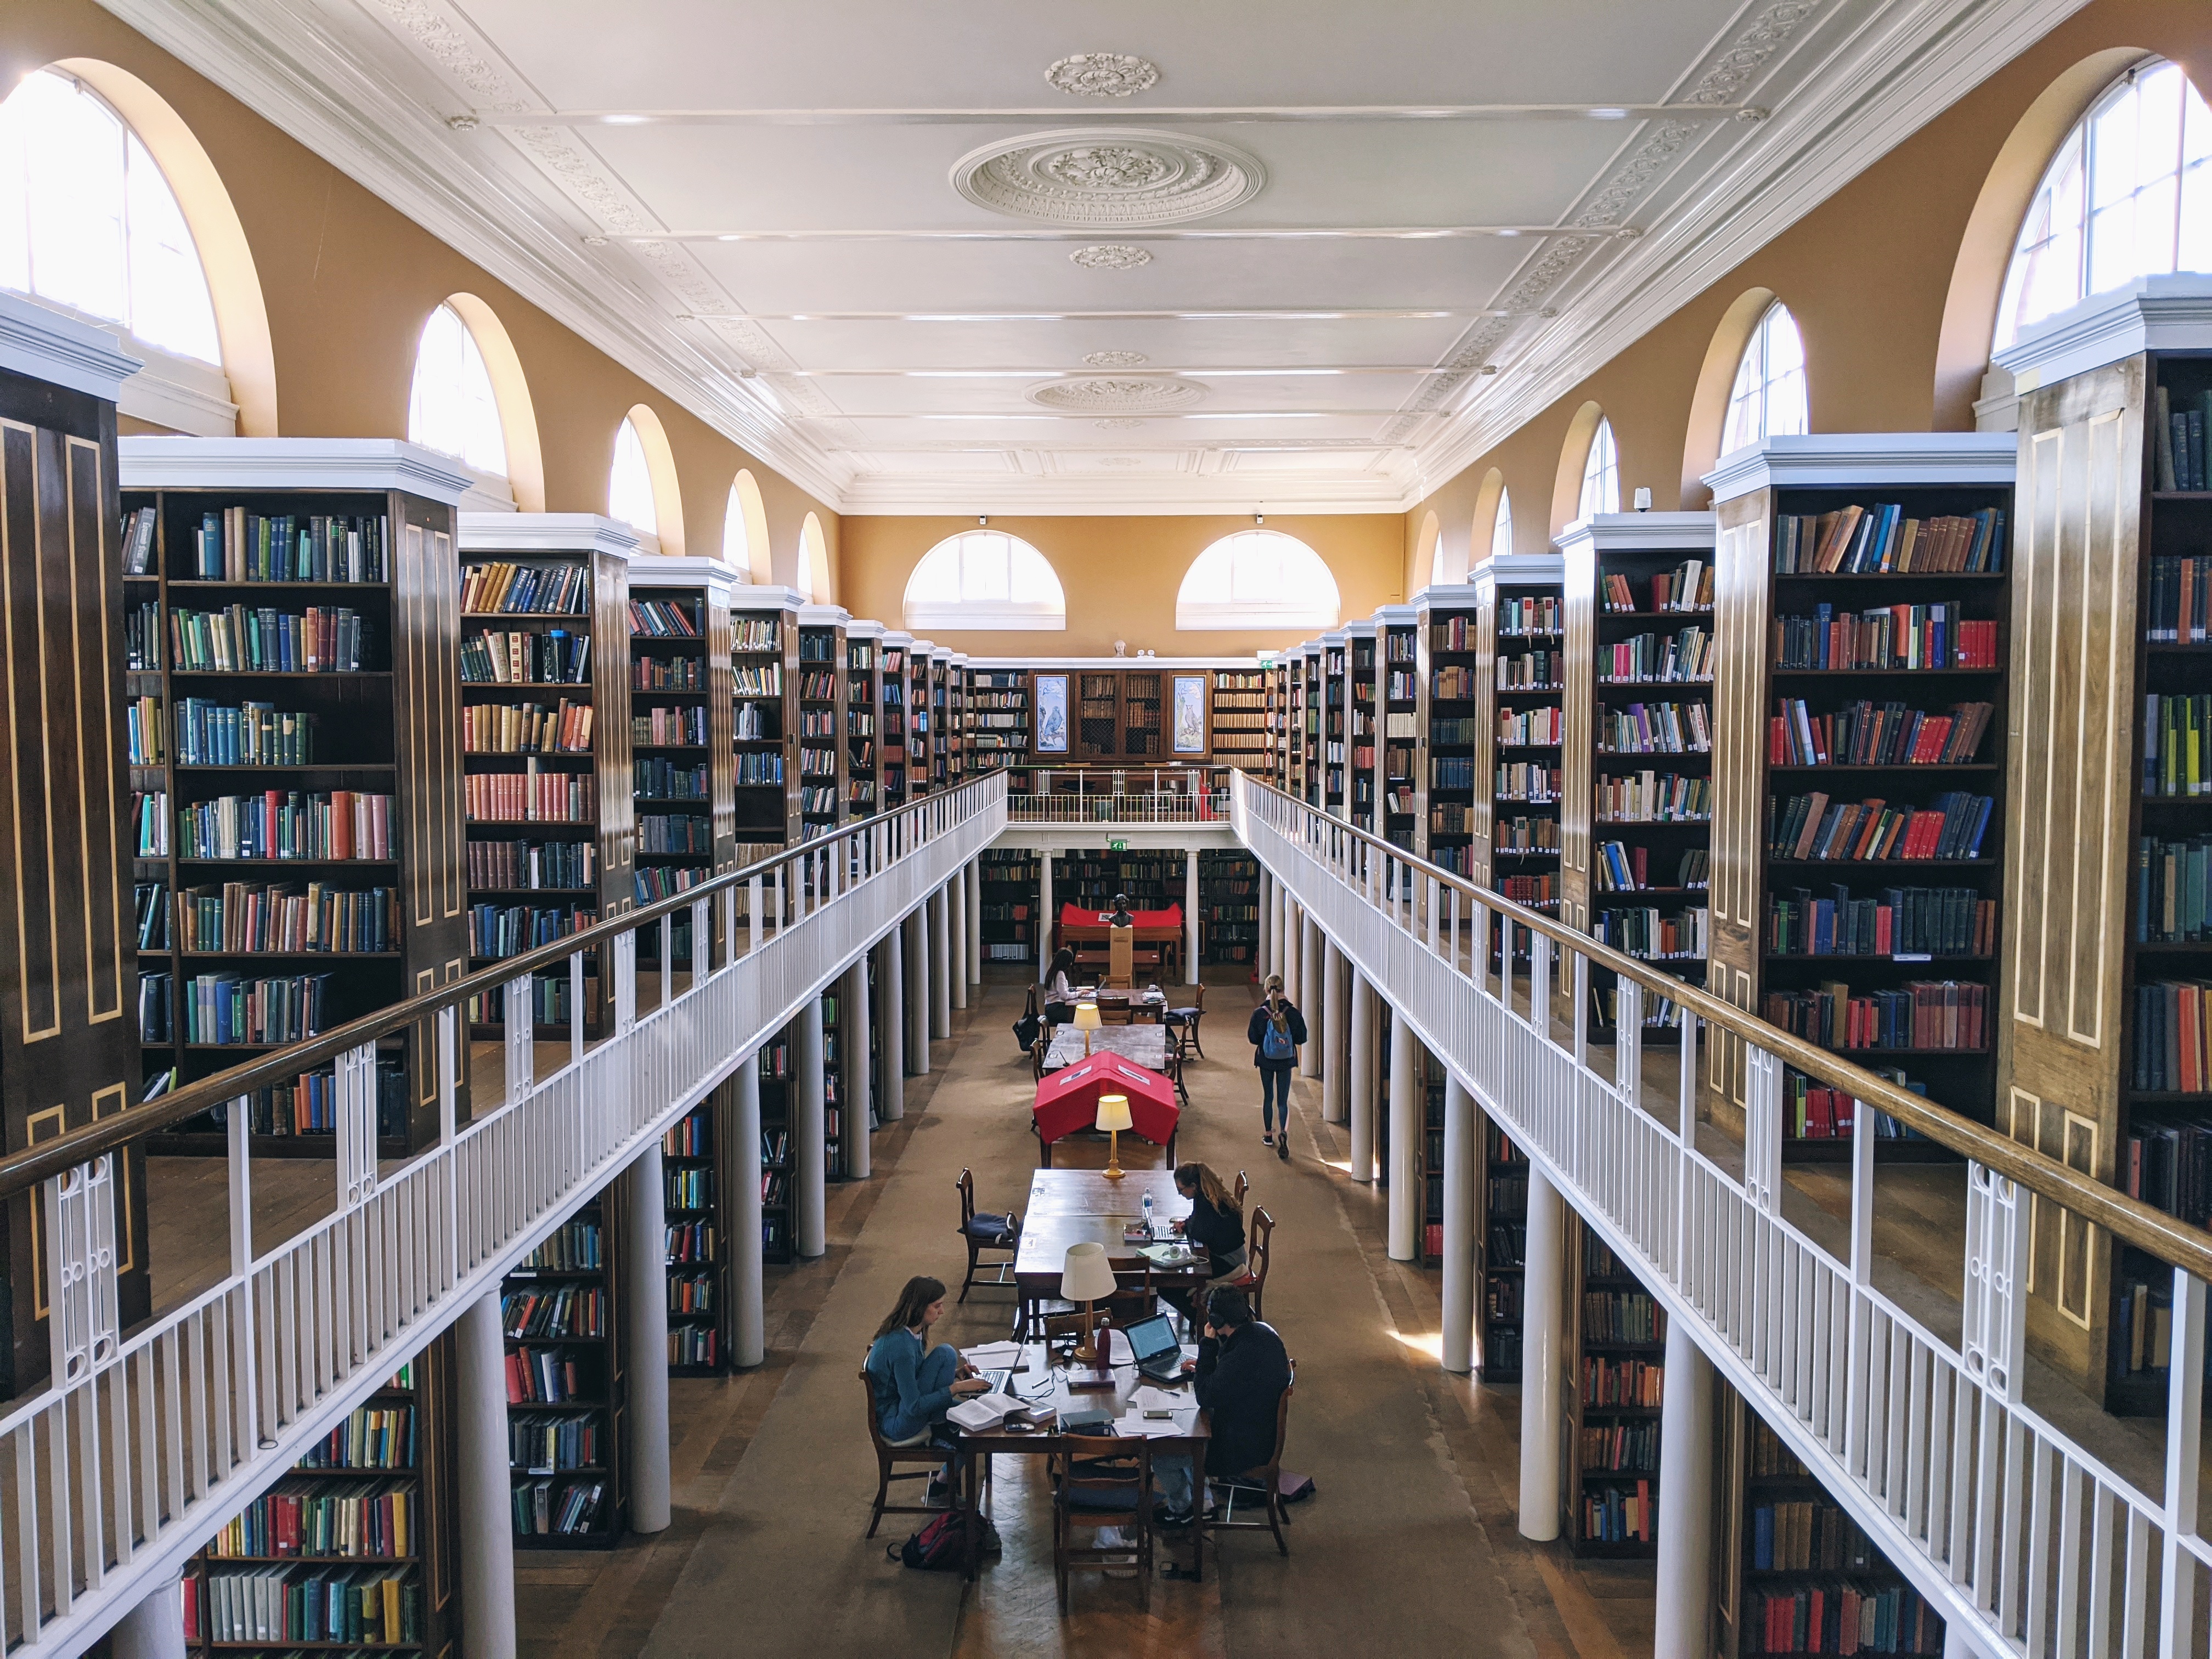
(953, 587)
(629, 482)
(1501, 526)
(452, 405)
(1601, 473)
(1768, 398)
(2128, 193)
(1257, 578)
(813, 578)
(183, 386)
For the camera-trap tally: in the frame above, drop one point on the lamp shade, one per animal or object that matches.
(1086, 1017)
(1086, 1275)
(1113, 1111)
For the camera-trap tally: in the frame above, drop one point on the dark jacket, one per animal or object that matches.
(1254, 1031)
(1222, 1232)
(1240, 1380)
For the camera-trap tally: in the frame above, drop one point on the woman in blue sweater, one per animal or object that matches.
(917, 1384)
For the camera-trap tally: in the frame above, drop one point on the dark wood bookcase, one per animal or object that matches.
(1243, 719)
(1451, 778)
(1521, 609)
(1229, 900)
(1012, 925)
(773, 1061)
(1502, 1243)
(921, 716)
(1617, 1356)
(957, 728)
(680, 723)
(835, 1030)
(566, 1385)
(764, 702)
(864, 712)
(1313, 657)
(697, 1243)
(1396, 741)
(1335, 723)
(998, 717)
(823, 699)
(892, 687)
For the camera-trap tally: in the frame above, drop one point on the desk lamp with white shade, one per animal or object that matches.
(1087, 1277)
(1114, 1117)
(1086, 1021)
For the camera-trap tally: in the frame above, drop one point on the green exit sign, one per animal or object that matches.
(1117, 846)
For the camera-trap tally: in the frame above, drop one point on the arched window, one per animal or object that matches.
(982, 579)
(451, 407)
(630, 491)
(2127, 195)
(737, 539)
(814, 563)
(1257, 579)
(1769, 398)
(1601, 474)
(1501, 527)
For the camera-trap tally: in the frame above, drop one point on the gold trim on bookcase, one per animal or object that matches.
(57, 1118)
(41, 1004)
(446, 766)
(1739, 735)
(2080, 1243)
(100, 844)
(410, 595)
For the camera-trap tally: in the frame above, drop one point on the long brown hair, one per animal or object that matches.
(1212, 1186)
(913, 1301)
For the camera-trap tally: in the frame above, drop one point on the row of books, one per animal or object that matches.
(532, 865)
(765, 769)
(692, 1294)
(666, 619)
(1650, 797)
(526, 728)
(673, 833)
(577, 1310)
(141, 731)
(760, 681)
(235, 544)
(1535, 891)
(373, 1437)
(1503, 1298)
(546, 1376)
(2174, 1036)
(156, 1007)
(529, 797)
(1816, 1111)
(1894, 734)
(539, 1442)
(240, 639)
(2176, 436)
(1517, 618)
(1525, 835)
(1684, 936)
(1616, 1317)
(1682, 659)
(1509, 1245)
(558, 1509)
(688, 1242)
(1620, 1515)
(1516, 781)
(1922, 1014)
(211, 733)
(1638, 1382)
(689, 1189)
(1890, 639)
(1622, 868)
(818, 688)
(305, 1516)
(694, 1345)
(667, 674)
(1689, 586)
(756, 633)
(665, 728)
(1840, 1617)
(1810, 828)
(334, 826)
(239, 917)
(658, 779)
(229, 1009)
(1529, 671)
(373, 1607)
(662, 882)
(1456, 683)
(1897, 921)
(1880, 540)
(553, 656)
(1658, 728)
(2177, 733)
(574, 1247)
(308, 1104)
(2180, 608)
(2173, 890)
(1531, 728)
(501, 931)
(1623, 1449)
(562, 590)
(2142, 1327)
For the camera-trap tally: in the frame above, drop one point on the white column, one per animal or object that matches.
(1265, 960)
(809, 1127)
(893, 946)
(940, 966)
(1685, 1501)
(154, 1628)
(1405, 1185)
(645, 1338)
(1365, 1019)
(854, 1017)
(976, 921)
(1190, 916)
(1312, 991)
(748, 1322)
(1282, 930)
(917, 1001)
(1335, 1019)
(1462, 1137)
(1044, 911)
(956, 939)
(486, 1516)
(1542, 1311)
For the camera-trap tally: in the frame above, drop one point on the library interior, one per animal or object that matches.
(1622, 597)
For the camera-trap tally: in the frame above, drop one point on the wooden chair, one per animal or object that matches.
(1243, 1186)
(1259, 1247)
(1000, 1234)
(1119, 1475)
(1183, 1022)
(890, 1454)
(1264, 1483)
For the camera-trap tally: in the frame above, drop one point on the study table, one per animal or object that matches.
(1147, 1045)
(1075, 1206)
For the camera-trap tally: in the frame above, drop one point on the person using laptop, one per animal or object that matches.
(916, 1384)
(1153, 1347)
(1215, 1224)
(1242, 1370)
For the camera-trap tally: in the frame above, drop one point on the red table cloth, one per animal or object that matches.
(1067, 1100)
(1074, 915)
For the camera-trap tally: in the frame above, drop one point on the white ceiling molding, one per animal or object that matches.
(1103, 74)
(1108, 178)
(1100, 394)
(1133, 492)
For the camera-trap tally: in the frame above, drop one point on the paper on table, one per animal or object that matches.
(1118, 1350)
(1137, 1426)
(1149, 1399)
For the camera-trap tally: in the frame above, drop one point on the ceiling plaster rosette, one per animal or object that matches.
(1103, 74)
(1110, 256)
(1118, 394)
(1108, 176)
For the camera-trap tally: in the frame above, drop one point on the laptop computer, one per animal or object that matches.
(1152, 1344)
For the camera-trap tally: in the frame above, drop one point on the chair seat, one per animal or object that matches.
(991, 1229)
(917, 1439)
(1243, 1281)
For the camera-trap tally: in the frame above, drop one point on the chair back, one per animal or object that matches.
(875, 1428)
(1259, 1245)
(967, 1186)
(1120, 1467)
(1243, 1186)
(1134, 1298)
(1282, 1424)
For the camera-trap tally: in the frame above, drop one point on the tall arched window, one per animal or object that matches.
(630, 491)
(1501, 527)
(1768, 400)
(1601, 474)
(451, 407)
(1257, 579)
(2127, 195)
(983, 579)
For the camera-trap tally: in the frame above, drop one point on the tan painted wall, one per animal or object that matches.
(1120, 575)
(1866, 275)
(349, 281)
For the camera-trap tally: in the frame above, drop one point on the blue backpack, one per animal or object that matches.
(1275, 1039)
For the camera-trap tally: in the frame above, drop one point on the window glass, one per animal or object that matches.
(737, 543)
(451, 408)
(1769, 398)
(1501, 529)
(1258, 578)
(1601, 474)
(984, 578)
(630, 491)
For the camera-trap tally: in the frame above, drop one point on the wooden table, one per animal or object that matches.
(1075, 1207)
(1137, 1005)
(1145, 1045)
(1043, 1386)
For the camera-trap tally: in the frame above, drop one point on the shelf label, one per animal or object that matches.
(1912, 956)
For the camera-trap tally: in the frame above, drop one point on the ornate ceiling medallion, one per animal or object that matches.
(1108, 176)
(1114, 359)
(1103, 75)
(1118, 393)
(1117, 425)
(1111, 255)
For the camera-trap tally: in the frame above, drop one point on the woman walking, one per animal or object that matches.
(1276, 1030)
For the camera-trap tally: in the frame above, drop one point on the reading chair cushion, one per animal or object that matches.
(992, 1229)
(922, 1439)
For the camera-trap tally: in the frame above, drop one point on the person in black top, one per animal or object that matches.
(1243, 1370)
(1215, 1224)
(1059, 989)
(1275, 1033)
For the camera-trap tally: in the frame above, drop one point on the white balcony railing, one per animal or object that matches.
(143, 1445)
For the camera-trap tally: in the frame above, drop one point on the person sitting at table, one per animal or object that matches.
(1059, 988)
(1215, 1224)
(1121, 918)
(916, 1384)
(1242, 1370)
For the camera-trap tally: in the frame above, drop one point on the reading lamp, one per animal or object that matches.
(1086, 1021)
(1114, 1117)
(1087, 1277)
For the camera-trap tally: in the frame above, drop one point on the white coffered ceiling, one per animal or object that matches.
(1348, 246)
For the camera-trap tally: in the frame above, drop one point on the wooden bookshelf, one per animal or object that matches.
(698, 1234)
(892, 687)
(374, 1504)
(836, 1145)
(1520, 609)
(1618, 1361)
(1363, 722)
(1770, 502)
(1502, 1245)
(567, 1390)
(549, 782)
(1012, 923)
(238, 744)
(1229, 903)
(1431, 1167)
(1784, 1542)
(957, 730)
(1242, 720)
(823, 698)
(1312, 659)
(1637, 718)
(864, 714)
(1451, 795)
(1335, 697)
(764, 704)
(998, 717)
(773, 1061)
(1396, 743)
(921, 716)
(1279, 722)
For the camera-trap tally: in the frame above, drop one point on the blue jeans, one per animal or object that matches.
(1171, 1478)
(934, 1375)
(1274, 1090)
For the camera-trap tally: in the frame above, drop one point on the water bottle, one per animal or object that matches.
(1148, 1215)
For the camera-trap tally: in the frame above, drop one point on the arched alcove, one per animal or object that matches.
(744, 528)
(1574, 453)
(814, 580)
(1709, 402)
(667, 513)
(1482, 526)
(518, 415)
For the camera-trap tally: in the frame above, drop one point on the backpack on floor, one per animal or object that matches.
(936, 1547)
(1028, 1027)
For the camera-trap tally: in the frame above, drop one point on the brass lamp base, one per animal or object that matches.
(1086, 1352)
(1113, 1171)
